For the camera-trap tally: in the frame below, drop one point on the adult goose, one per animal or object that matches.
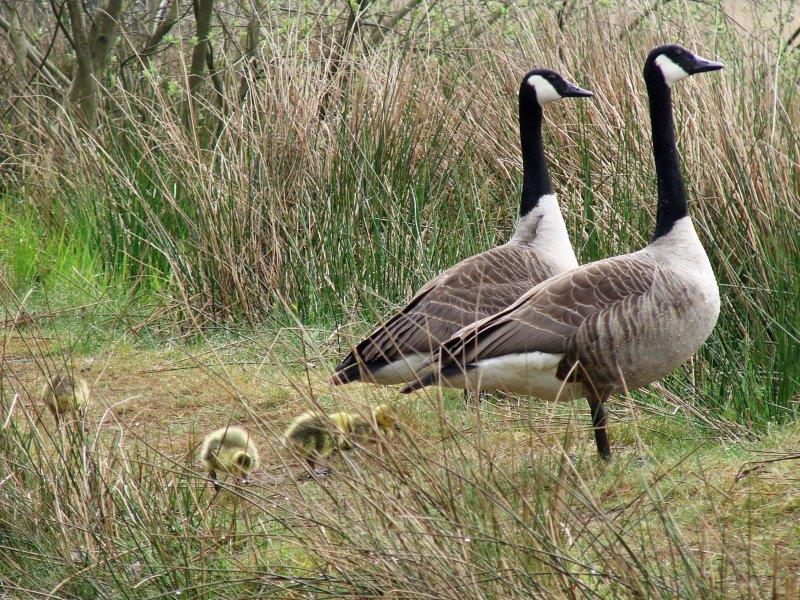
(485, 283)
(615, 324)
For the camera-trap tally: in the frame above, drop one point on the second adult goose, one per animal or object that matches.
(488, 282)
(611, 325)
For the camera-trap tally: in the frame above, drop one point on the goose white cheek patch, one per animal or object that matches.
(545, 92)
(672, 71)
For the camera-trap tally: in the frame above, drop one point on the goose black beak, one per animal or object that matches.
(701, 65)
(573, 91)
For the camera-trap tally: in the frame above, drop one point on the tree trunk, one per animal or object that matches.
(202, 15)
(83, 93)
(103, 34)
(92, 50)
(342, 48)
(249, 69)
(17, 38)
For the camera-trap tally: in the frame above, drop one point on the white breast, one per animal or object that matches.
(544, 230)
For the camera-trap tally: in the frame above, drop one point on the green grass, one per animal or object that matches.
(505, 501)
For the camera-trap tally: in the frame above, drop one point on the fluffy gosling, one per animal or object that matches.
(383, 420)
(315, 436)
(229, 450)
(67, 392)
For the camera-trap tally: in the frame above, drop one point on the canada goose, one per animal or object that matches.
(230, 450)
(615, 324)
(67, 392)
(485, 283)
(315, 436)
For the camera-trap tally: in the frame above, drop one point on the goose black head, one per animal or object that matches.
(675, 62)
(547, 86)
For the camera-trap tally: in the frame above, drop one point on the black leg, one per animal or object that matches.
(316, 471)
(599, 424)
(213, 475)
(474, 397)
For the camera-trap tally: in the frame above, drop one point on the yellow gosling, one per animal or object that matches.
(229, 450)
(383, 421)
(65, 393)
(314, 436)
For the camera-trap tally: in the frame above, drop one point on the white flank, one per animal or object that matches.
(672, 71)
(545, 92)
(530, 373)
(400, 371)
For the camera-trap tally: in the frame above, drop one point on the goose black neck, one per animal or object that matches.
(671, 192)
(535, 176)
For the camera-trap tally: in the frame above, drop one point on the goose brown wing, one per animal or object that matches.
(547, 318)
(478, 286)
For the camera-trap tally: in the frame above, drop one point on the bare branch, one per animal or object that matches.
(398, 16)
(168, 15)
(792, 38)
(53, 76)
(57, 13)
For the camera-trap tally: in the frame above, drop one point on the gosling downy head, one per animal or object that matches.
(243, 462)
(547, 86)
(385, 417)
(675, 62)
